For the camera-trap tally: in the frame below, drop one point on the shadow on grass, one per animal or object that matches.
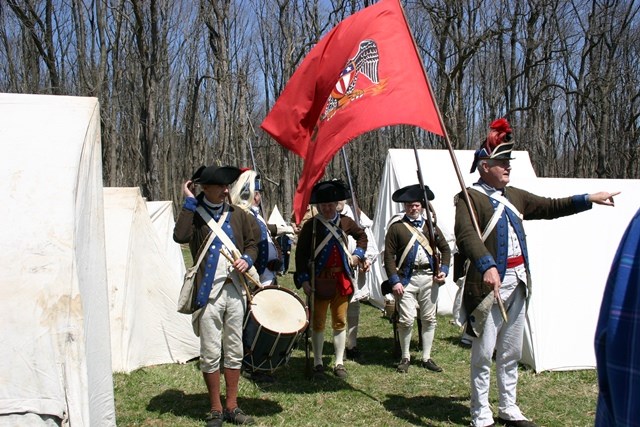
(196, 406)
(178, 403)
(376, 350)
(294, 378)
(438, 409)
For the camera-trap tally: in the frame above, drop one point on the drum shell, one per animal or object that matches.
(274, 323)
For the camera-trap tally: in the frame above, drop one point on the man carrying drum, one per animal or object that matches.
(324, 269)
(246, 192)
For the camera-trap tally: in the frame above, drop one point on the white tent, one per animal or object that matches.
(55, 364)
(439, 175)
(570, 261)
(161, 214)
(570, 257)
(276, 217)
(144, 283)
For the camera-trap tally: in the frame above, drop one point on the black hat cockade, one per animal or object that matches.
(329, 191)
(412, 193)
(498, 145)
(216, 175)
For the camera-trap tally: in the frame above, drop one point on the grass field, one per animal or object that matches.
(373, 394)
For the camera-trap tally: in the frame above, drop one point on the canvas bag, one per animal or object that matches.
(187, 297)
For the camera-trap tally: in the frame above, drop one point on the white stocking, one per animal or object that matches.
(428, 333)
(353, 316)
(404, 335)
(317, 340)
(339, 339)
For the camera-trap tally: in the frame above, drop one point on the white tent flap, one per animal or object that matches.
(570, 257)
(145, 270)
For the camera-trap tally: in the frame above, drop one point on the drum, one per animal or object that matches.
(275, 321)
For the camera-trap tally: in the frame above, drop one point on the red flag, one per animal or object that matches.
(364, 74)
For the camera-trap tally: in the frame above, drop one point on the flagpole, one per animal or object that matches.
(432, 233)
(253, 162)
(356, 214)
(465, 194)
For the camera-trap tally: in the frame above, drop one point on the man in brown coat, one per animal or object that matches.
(409, 262)
(498, 271)
(322, 248)
(220, 293)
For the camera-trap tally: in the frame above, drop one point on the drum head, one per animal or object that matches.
(279, 310)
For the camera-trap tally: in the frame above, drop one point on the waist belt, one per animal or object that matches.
(422, 266)
(515, 261)
(333, 269)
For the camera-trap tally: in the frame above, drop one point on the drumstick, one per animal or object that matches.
(244, 282)
(247, 275)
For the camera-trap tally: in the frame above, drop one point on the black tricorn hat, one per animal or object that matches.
(216, 175)
(498, 144)
(412, 193)
(197, 173)
(329, 191)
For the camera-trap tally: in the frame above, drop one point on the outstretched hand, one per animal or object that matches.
(603, 198)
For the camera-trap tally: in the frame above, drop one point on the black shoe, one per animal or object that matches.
(259, 377)
(214, 419)
(403, 366)
(465, 342)
(340, 372)
(516, 423)
(431, 365)
(352, 353)
(318, 372)
(236, 416)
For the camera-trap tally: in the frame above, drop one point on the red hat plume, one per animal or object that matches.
(499, 132)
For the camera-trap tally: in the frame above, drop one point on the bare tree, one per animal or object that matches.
(38, 27)
(187, 83)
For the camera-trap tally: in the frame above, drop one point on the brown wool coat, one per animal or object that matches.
(398, 237)
(304, 251)
(191, 228)
(471, 246)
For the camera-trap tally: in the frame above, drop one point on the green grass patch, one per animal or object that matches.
(373, 394)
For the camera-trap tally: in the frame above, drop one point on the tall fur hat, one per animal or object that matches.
(497, 145)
